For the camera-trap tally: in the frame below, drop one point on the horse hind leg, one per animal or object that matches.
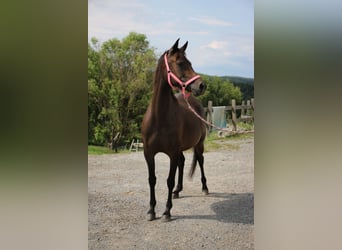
(179, 186)
(193, 165)
(198, 153)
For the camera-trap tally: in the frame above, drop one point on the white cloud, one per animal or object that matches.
(163, 25)
(211, 21)
(237, 46)
(215, 45)
(231, 54)
(107, 19)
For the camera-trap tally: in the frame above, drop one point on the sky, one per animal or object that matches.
(220, 32)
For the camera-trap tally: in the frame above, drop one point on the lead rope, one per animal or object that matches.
(201, 118)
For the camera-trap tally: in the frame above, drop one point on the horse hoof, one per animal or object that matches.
(205, 191)
(166, 218)
(175, 195)
(151, 216)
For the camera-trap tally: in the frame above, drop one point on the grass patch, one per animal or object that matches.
(214, 142)
(99, 150)
(237, 137)
(245, 126)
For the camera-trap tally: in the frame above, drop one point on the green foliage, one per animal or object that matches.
(246, 89)
(219, 91)
(120, 75)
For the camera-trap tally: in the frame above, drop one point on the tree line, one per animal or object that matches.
(120, 80)
(246, 85)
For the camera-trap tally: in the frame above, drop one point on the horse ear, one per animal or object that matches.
(184, 47)
(174, 48)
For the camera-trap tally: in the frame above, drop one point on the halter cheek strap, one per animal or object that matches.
(181, 83)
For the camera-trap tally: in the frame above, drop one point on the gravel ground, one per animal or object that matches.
(118, 200)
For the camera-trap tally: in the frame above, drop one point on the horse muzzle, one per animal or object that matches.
(198, 88)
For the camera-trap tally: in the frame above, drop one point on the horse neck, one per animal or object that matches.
(163, 97)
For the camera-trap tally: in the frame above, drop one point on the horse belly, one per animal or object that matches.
(191, 137)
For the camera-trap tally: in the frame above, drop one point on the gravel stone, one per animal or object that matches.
(118, 200)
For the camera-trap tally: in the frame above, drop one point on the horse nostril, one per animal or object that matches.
(202, 86)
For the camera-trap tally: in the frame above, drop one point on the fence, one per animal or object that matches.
(233, 114)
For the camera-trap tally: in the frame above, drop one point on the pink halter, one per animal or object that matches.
(181, 83)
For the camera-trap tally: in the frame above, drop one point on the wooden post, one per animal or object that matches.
(248, 108)
(234, 114)
(252, 106)
(210, 114)
(243, 111)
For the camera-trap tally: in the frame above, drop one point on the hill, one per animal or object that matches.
(245, 84)
(239, 80)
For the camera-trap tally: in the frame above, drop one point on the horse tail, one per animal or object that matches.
(193, 165)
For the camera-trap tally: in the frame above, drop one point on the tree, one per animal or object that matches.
(219, 91)
(120, 77)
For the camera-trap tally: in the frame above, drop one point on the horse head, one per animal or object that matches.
(180, 72)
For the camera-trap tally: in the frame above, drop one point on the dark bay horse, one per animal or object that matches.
(169, 126)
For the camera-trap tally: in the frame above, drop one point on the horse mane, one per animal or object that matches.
(160, 70)
(160, 80)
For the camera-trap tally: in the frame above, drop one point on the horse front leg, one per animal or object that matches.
(180, 176)
(152, 182)
(170, 185)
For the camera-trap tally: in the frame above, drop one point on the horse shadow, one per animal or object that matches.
(235, 208)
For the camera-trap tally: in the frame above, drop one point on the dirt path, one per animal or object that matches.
(118, 197)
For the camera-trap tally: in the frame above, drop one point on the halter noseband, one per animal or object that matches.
(181, 83)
